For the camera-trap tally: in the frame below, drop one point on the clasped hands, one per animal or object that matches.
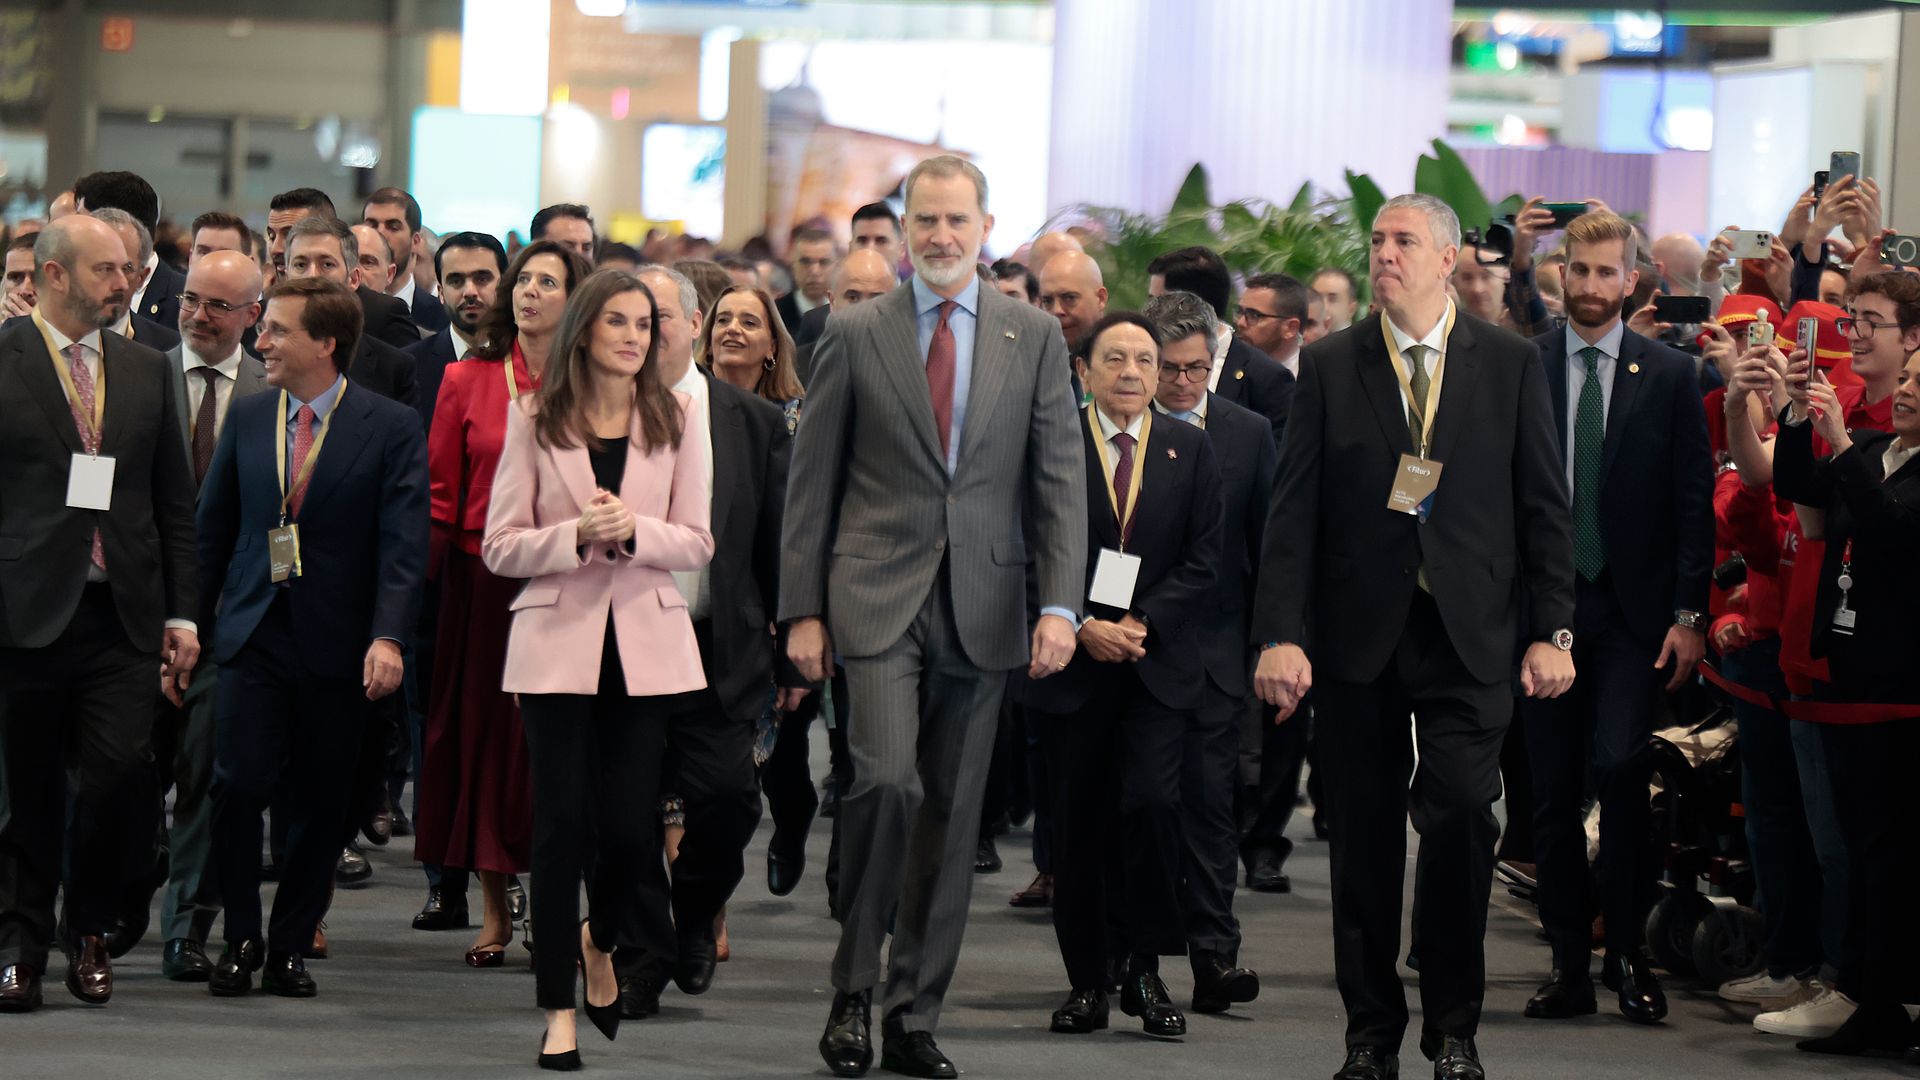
(606, 519)
(1114, 642)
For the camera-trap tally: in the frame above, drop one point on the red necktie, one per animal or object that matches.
(302, 445)
(82, 407)
(1123, 482)
(940, 365)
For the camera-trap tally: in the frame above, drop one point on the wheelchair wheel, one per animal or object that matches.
(1727, 944)
(1670, 930)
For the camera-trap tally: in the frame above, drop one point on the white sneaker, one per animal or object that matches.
(1815, 1019)
(1760, 988)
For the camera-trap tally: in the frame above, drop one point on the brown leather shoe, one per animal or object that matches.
(90, 975)
(317, 950)
(1037, 894)
(19, 988)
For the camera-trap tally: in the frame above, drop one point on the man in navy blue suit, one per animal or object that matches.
(397, 217)
(313, 537)
(1633, 439)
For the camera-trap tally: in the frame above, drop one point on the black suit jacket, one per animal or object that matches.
(427, 312)
(812, 325)
(1337, 564)
(385, 370)
(161, 301)
(789, 310)
(154, 335)
(751, 448)
(1244, 450)
(430, 357)
(1253, 380)
(1176, 533)
(387, 319)
(1656, 480)
(45, 545)
(363, 531)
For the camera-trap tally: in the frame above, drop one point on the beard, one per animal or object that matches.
(941, 277)
(102, 313)
(1594, 310)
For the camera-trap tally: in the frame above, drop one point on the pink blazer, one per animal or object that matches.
(560, 616)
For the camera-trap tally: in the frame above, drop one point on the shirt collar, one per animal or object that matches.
(925, 299)
(1199, 410)
(125, 326)
(692, 382)
(1608, 345)
(1436, 338)
(230, 367)
(1108, 429)
(462, 344)
(322, 405)
(61, 341)
(405, 293)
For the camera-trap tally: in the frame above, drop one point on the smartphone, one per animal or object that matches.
(1564, 212)
(1902, 251)
(1820, 182)
(1681, 310)
(1750, 243)
(1808, 337)
(1759, 334)
(1844, 163)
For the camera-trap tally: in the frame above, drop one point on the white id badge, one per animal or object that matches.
(1113, 579)
(1844, 619)
(90, 483)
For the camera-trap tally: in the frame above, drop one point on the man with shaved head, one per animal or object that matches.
(1046, 246)
(1678, 257)
(1073, 291)
(865, 274)
(97, 588)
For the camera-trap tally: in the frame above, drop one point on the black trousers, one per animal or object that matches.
(286, 737)
(787, 776)
(1365, 761)
(1209, 761)
(75, 718)
(596, 764)
(1115, 769)
(1267, 801)
(709, 765)
(183, 741)
(1599, 731)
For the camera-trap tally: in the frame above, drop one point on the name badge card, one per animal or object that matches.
(1113, 579)
(283, 552)
(1414, 483)
(1844, 618)
(90, 482)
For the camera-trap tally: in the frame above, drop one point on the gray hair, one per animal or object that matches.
(946, 166)
(689, 292)
(323, 225)
(1442, 222)
(1180, 315)
(117, 218)
(52, 246)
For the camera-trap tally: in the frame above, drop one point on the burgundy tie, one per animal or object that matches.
(302, 445)
(82, 407)
(1123, 482)
(940, 376)
(204, 421)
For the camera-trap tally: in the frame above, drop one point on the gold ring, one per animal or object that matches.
(1059, 663)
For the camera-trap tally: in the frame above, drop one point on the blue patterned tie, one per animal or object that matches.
(1589, 439)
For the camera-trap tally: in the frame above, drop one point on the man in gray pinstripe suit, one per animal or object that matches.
(939, 443)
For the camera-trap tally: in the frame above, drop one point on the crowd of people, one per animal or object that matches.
(579, 538)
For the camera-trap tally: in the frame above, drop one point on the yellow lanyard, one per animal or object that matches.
(313, 453)
(1107, 466)
(1404, 372)
(513, 384)
(65, 371)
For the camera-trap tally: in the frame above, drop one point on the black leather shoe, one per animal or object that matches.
(19, 988)
(402, 826)
(516, 898)
(1453, 1057)
(1871, 1029)
(914, 1054)
(1264, 874)
(1085, 1011)
(233, 975)
(285, 974)
(90, 975)
(378, 828)
(1565, 995)
(1145, 996)
(442, 911)
(847, 1044)
(830, 798)
(352, 868)
(693, 974)
(1217, 984)
(1369, 1063)
(185, 960)
(565, 1061)
(786, 862)
(639, 998)
(987, 859)
(1641, 999)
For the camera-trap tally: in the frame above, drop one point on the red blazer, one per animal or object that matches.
(560, 617)
(463, 449)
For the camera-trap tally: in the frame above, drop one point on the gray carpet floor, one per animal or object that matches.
(397, 1003)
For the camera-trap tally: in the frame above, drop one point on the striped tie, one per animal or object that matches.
(82, 407)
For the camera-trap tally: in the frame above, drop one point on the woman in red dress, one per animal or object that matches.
(475, 798)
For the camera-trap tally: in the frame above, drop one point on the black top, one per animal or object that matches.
(609, 463)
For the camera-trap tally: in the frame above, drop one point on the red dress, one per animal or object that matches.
(475, 797)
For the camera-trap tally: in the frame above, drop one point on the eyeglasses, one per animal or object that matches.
(1187, 373)
(1847, 324)
(1254, 316)
(190, 303)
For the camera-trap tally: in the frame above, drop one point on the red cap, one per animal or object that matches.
(1830, 346)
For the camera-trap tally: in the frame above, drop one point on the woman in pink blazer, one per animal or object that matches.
(601, 492)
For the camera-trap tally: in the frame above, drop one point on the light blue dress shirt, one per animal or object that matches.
(322, 409)
(1609, 347)
(964, 320)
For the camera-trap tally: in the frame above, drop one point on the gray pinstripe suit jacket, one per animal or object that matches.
(871, 511)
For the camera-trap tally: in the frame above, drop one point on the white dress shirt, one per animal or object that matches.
(693, 583)
(1223, 340)
(1109, 431)
(1609, 347)
(1897, 456)
(1436, 343)
(229, 370)
(404, 293)
(133, 302)
(463, 346)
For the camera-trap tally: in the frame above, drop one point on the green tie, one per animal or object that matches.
(1589, 438)
(1418, 381)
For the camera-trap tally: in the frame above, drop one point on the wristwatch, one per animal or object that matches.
(1562, 640)
(1689, 620)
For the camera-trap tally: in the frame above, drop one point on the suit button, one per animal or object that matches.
(609, 554)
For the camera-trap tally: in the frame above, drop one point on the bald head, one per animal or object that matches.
(219, 301)
(1073, 291)
(863, 275)
(80, 274)
(1678, 257)
(1047, 246)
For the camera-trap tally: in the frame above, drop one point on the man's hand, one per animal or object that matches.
(1829, 420)
(1052, 647)
(179, 652)
(14, 305)
(382, 671)
(1532, 220)
(1863, 218)
(1798, 225)
(1644, 322)
(1283, 677)
(1546, 671)
(809, 648)
(1720, 350)
(1685, 648)
(1719, 254)
(1113, 642)
(788, 698)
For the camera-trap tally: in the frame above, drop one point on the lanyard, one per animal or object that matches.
(1404, 373)
(1107, 468)
(513, 384)
(60, 366)
(313, 453)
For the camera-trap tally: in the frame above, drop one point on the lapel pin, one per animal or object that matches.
(154, 310)
(1241, 374)
(1171, 456)
(1010, 336)
(1633, 369)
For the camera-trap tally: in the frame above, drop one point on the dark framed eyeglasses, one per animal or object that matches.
(1185, 372)
(1254, 316)
(1869, 326)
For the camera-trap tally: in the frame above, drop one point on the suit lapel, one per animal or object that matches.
(1456, 390)
(1382, 386)
(346, 440)
(1554, 356)
(898, 334)
(121, 387)
(1626, 388)
(36, 368)
(1105, 531)
(177, 371)
(729, 435)
(993, 341)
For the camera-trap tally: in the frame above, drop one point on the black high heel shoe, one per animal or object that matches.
(605, 1017)
(567, 1062)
